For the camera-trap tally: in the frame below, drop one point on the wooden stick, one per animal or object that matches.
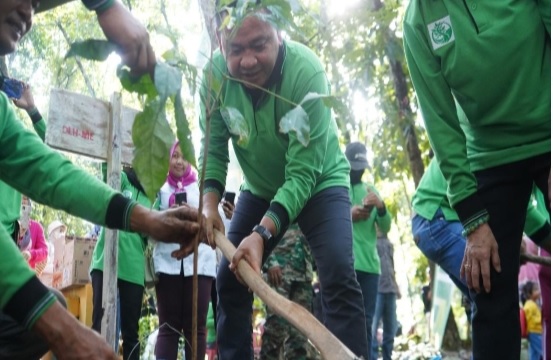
(328, 345)
(542, 260)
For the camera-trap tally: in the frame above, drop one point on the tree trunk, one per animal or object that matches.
(208, 11)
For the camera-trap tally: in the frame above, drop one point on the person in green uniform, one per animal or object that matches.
(482, 75)
(130, 272)
(290, 176)
(368, 211)
(30, 167)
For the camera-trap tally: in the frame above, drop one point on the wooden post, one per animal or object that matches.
(109, 298)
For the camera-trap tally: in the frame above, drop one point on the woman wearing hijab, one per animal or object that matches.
(174, 288)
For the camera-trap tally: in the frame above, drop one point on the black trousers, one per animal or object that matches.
(505, 191)
(130, 305)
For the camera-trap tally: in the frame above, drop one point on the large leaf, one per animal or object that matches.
(168, 80)
(91, 49)
(236, 124)
(152, 139)
(183, 132)
(296, 120)
(139, 85)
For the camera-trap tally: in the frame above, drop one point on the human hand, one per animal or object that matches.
(359, 213)
(371, 200)
(176, 225)
(212, 218)
(228, 209)
(275, 275)
(26, 101)
(69, 339)
(131, 37)
(250, 250)
(481, 248)
(26, 254)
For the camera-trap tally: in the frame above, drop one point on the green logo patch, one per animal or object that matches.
(441, 32)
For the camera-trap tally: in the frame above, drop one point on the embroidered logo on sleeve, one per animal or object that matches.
(441, 32)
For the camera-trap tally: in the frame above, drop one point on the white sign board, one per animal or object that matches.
(441, 303)
(79, 123)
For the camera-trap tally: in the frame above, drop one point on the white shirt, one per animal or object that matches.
(163, 262)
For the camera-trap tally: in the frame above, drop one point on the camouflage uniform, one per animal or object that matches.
(295, 260)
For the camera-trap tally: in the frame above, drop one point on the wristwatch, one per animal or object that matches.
(265, 234)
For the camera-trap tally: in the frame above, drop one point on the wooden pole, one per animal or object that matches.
(109, 298)
(328, 345)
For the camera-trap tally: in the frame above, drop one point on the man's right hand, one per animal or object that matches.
(212, 217)
(359, 213)
(274, 275)
(123, 29)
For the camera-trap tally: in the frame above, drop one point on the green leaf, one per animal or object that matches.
(296, 120)
(139, 85)
(152, 138)
(168, 80)
(91, 49)
(236, 124)
(183, 132)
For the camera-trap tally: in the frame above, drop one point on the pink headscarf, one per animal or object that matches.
(178, 183)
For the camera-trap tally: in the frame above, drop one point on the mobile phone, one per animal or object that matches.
(180, 198)
(13, 88)
(229, 196)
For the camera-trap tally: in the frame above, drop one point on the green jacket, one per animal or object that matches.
(364, 231)
(11, 199)
(277, 167)
(493, 59)
(130, 261)
(431, 196)
(31, 167)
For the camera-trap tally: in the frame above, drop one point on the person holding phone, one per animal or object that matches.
(174, 288)
(367, 212)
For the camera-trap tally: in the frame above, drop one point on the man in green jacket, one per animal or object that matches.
(30, 167)
(482, 74)
(295, 174)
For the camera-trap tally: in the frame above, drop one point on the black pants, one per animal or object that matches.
(130, 300)
(505, 191)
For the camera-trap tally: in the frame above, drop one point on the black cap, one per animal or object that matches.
(357, 156)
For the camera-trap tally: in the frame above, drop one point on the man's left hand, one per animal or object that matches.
(480, 250)
(250, 250)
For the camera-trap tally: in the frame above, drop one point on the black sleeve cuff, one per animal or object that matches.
(470, 209)
(118, 213)
(382, 212)
(29, 302)
(279, 215)
(211, 185)
(35, 116)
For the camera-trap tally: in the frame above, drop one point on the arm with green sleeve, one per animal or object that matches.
(31, 167)
(444, 130)
(304, 163)
(217, 154)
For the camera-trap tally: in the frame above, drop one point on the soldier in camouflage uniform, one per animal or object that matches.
(289, 271)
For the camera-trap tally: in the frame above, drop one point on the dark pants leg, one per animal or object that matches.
(130, 300)
(326, 223)
(369, 288)
(18, 343)
(234, 309)
(505, 191)
(174, 300)
(130, 306)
